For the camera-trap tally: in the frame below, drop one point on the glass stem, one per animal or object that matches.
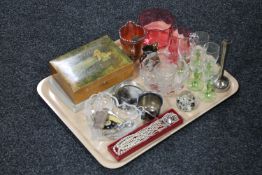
(209, 89)
(196, 79)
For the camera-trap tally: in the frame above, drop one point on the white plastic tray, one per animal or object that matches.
(77, 122)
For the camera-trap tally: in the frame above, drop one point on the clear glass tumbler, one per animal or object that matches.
(179, 45)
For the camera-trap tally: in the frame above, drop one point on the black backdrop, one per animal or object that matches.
(226, 140)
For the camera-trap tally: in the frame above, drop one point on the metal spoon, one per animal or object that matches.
(222, 83)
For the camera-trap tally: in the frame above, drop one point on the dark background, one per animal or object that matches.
(225, 140)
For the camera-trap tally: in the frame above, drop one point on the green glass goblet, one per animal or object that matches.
(196, 64)
(210, 70)
(195, 83)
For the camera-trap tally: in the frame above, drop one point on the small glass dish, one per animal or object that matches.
(107, 118)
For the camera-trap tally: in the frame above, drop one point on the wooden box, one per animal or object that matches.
(91, 68)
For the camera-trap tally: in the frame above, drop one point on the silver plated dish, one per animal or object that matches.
(128, 92)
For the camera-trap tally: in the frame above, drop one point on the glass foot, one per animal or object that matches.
(208, 96)
(195, 85)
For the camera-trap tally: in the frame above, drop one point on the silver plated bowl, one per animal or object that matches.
(128, 92)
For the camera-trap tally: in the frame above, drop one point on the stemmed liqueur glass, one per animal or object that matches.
(181, 74)
(184, 49)
(196, 66)
(210, 70)
(198, 40)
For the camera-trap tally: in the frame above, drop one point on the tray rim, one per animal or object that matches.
(118, 164)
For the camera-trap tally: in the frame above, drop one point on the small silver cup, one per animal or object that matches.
(151, 104)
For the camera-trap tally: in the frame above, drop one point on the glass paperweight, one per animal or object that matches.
(186, 101)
